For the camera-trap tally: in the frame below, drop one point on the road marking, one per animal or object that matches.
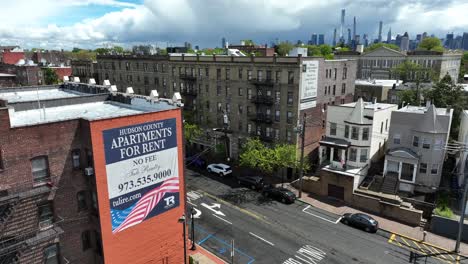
(307, 254)
(193, 195)
(323, 218)
(197, 213)
(261, 238)
(211, 207)
(222, 219)
(192, 204)
(392, 237)
(205, 239)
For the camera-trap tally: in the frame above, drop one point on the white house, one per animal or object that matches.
(355, 136)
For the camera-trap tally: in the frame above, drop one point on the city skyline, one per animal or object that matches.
(95, 23)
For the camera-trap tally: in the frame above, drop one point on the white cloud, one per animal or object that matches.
(206, 21)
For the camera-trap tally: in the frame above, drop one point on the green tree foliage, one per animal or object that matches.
(82, 55)
(191, 132)
(446, 93)
(284, 48)
(410, 71)
(320, 51)
(269, 159)
(431, 43)
(378, 45)
(50, 77)
(408, 97)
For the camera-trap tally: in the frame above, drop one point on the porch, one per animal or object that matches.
(402, 164)
(333, 152)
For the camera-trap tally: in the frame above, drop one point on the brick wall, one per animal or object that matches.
(12, 57)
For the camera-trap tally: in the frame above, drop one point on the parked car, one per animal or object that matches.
(220, 169)
(195, 161)
(361, 221)
(280, 194)
(253, 182)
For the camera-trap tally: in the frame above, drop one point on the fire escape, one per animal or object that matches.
(263, 102)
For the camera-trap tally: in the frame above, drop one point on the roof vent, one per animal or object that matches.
(154, 95)
(66, 79)
(106, 83)
(113, 88)
(76, 79)
(176, 98)
(92, 81)
(129, 90)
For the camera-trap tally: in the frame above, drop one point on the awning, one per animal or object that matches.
(335, 142)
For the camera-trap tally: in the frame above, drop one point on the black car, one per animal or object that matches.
(280, 194)
(361, 221)
(195, 161)
(253, 182)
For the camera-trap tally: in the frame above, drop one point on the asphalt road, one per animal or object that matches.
(266, 231)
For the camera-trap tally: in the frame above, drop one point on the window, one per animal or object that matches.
(332, 129)
(326, 90)
(386, 125)
(146, 80)
(426, 143)
(241, 109)
(278, 76)
(218, 90)
(46, 215)
(228, 90)
(407, 171)
(334, 89)
(81, 200)
(288, 136)
(85, 240)
(207, 72)
(342, 101)
(228, 107)
(240, 73)
(76, 158)
(240, 126)
(51, 254)
(249, 93)
(249, 109)
(423, 168)
(220, 107)
(249, 75)
(352, 154)
(365, 133)
(268, 75)
(249, 128)
(290, 77)
(289, 117)
(355, 133)
(207, 88)
(218, 74)
(343, 88)
(40, 169)
(415, 141)
(435, 168)
(396, 139)
(381, 128)
(290, 98)
(363, 156)
(259, 75)
(277, 115)
(97, 238)
(277, 134)
(228, 74)
(200, 72)
(241, 91)
(345, 73)
(336, 72)
(277, 97)
(346, 131)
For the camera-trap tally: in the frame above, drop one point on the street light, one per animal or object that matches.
(192, 214)
(182, 221)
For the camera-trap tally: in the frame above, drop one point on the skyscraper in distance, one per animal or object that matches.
(404, 46)
(465, 41)
(321, 39)
(342, 25)
(313, 39)
(334, 37)
(389, 36)
(380, 32)
(349, 37)
(223, 43)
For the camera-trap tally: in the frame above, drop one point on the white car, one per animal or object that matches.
(220, 169)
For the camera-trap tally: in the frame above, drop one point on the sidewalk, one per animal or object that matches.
(339, 208)
(202, 255)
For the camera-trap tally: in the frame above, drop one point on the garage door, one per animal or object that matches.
(336, 191)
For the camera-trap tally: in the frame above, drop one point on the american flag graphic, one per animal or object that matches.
(147, 203)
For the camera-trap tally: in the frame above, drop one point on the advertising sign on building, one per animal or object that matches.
(309, 83)
(142, 171)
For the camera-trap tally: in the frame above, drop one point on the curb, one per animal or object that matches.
(416, 240)
(207, 252)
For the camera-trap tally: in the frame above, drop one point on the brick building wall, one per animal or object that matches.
(12, 57)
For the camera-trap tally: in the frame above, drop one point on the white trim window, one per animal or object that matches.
(423, 168)
(332, 129)
(352, 154)
(363, 155)
(396, 139)
(415, 141)
(426, 143)
(435, 168)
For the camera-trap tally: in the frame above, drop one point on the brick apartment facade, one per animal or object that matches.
(53, 189)
(260, 95)
(85, 70)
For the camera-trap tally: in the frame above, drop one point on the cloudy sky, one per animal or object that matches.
(94, 23)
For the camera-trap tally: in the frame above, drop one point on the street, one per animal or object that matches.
(265, 231)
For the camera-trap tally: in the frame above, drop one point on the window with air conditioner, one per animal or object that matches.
(46, 215)
(76, 158)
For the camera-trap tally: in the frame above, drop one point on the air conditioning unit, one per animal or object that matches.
(89, 171)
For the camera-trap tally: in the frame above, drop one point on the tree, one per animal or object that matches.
(101, 51)
(445, 93)
(463, 67)
(248, 42)
(284, 48)
(118, 49)
(253, 154)
(191, 132)
(408, 97)
(379, 45)
(410, 71)
(50, 77)
(431, 43)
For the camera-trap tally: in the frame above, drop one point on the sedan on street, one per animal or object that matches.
(361, 221)
(253, 182)
(280, 194)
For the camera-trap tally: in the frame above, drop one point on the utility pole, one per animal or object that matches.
(301, 170)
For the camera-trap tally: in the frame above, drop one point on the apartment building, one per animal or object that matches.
(260, 96)
(63, 176)
(356, 135)
(85, 70)
(378, 63)
(416, 147)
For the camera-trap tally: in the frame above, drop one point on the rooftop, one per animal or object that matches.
(378, 82)
(17, 95)
(7, 75)
(422, 110)
(369, 105)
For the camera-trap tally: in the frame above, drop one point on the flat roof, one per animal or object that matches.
(27, 95)
(7, 75)
(370, 105)
(378, 82)
(88, 111)
(421, 110)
